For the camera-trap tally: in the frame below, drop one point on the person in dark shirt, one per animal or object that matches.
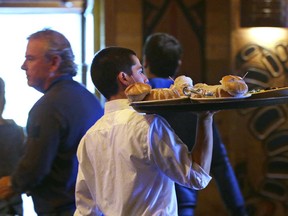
(162, 55)
(11, 148)
(56, 123)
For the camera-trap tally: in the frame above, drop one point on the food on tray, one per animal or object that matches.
(143, 92)
(255, 91)
(183, 81)
(234, 85)
(203, 90)
(162, 94)
(230, 86)
(269, 92)
(180, 83)
(137, 91)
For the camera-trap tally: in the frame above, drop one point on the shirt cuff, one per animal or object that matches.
(202, 178)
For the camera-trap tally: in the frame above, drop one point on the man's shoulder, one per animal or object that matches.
(66, 89)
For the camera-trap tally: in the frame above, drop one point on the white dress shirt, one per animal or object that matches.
(128, 163)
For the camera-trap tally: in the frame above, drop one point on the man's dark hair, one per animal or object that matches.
(106, 66)
(162, 52)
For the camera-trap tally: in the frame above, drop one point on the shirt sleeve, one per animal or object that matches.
(85, 204)
(43, 128)
(173, 158)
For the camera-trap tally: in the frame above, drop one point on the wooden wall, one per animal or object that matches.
(123, 21)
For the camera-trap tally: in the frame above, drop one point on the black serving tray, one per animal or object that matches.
(189, 105)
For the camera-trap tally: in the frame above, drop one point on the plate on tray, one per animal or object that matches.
(277, 92)
(215, 99)
(162, 101)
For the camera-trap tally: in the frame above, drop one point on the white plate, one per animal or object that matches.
(161, 101)
(212, 99)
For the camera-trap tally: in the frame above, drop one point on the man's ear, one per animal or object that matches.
(55, 62)
(123, 78)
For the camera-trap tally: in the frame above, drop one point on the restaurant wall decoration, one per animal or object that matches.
(267, 135)
(261, 160)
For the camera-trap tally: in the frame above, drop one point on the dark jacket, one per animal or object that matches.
(11, 149)
(55, 125)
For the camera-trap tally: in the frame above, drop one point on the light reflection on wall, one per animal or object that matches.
(266, 36)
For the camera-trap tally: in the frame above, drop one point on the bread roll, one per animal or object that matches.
(234, 85)
(162, 94)
(220, 92)
(181, 82)
(137, 91)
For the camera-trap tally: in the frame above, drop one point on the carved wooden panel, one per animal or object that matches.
(184, 19)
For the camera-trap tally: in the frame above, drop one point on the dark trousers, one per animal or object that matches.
(184, 125)
(12, 207)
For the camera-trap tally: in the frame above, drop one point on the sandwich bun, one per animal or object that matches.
(234, 85)
(137, 91)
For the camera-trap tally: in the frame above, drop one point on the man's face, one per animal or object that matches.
(36, 65)
(137, 72)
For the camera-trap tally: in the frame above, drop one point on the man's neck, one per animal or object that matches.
(120, 95)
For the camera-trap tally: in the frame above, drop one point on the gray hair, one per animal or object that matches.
(58, 44)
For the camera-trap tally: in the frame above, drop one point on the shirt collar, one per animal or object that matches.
(116, 105)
